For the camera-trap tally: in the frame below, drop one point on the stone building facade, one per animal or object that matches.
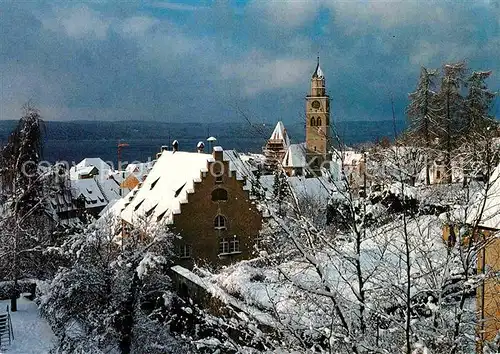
(219, 224)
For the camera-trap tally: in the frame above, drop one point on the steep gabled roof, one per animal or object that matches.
(170, 180)
(279, 133)
(166, 187)
(90, 191)
(94, 161)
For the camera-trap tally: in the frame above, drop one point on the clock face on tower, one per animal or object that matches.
(315, 104)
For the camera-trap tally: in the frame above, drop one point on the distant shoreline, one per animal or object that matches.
(75, 140)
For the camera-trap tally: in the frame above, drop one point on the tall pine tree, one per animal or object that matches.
(451, 118)
(478, 103)
(422, 112)
(23, 203)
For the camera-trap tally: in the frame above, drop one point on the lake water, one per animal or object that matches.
(73, 141)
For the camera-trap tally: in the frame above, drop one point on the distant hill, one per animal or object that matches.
(72, 141)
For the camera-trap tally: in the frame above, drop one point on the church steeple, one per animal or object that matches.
(318, 73)
(318, 82)
(318, 114)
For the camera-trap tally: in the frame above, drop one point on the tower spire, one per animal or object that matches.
(318, 73)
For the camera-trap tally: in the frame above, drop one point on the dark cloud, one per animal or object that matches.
(183, 62)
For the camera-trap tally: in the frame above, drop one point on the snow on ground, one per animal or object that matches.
(32, 334)
(268, 288)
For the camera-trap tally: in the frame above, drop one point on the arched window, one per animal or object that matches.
(220, 223)
(219, 194)
(313, 122)
(318, 121)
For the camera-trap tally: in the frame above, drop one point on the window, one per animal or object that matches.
(185, 251)
(229, 245)
(220, 223)
(313, 122)
(438, 174)
(234, 245)
(318, 121)
(218, 179)
(219, 194)
(223, 246)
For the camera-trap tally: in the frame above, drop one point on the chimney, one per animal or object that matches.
(218, 153)
(175, 145)
(200, 146)
(164, 148)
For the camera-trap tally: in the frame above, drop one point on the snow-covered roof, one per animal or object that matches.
(94, 161)
(242, 167)
(169, 182)
(86, 170)
(312, 188)
(279, 133)
(110, 188)
(117, 176)
(317, 189)
(351, 157)
(116, 206)
(62, 201)
(90, 190)
(139, 169)
(86, 166)
(490, 217)
(166, 186)
(295, 156)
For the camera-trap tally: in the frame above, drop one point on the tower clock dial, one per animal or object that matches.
(315, 104)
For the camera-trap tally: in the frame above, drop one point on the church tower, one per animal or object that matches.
(318, 115)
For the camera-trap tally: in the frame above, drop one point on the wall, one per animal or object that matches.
(488, 306)
(196, 221)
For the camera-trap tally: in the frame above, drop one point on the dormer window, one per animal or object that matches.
(219, 194)
(138, 205)
(154, 183)
(150, 211)
(220, 223)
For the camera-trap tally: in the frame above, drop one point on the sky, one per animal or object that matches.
(222, 60)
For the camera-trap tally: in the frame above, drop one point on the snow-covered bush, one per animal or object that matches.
(111, 295)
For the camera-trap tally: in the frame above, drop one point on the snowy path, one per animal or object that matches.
(32, 333)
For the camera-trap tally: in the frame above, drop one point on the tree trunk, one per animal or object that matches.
(128, 318)
(15, 290)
